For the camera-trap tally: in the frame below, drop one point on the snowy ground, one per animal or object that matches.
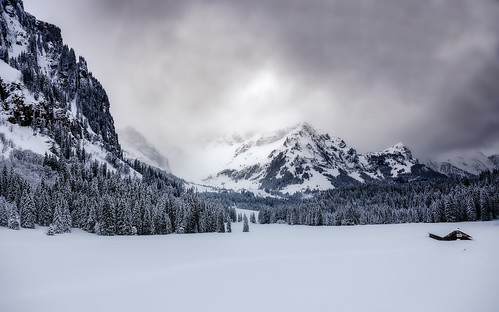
(271, 268)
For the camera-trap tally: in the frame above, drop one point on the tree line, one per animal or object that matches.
(451, 200)
(98, 200)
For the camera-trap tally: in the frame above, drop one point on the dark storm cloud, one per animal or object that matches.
(470, 116)
(373, 72)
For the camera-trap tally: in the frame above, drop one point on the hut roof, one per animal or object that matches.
(454, 235)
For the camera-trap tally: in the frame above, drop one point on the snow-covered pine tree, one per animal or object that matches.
(147, 225)
(168, 225)
(220, 221)
(470, 209)
(27, 207)
(229, 226)
(62, 218)
(245, 224)
(14, 220)
(45, 211)
(252, 218)
(123, 218)
(90, 218)
(4, 216)
(484, 206)
(159, 216)
(107, 222)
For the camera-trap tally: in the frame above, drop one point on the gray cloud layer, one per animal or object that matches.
(372, 72)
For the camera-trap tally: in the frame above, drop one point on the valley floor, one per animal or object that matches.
(271, 268)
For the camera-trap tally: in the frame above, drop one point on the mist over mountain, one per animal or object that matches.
(136, 146)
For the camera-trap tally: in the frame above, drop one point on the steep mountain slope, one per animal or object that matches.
(50, 101)
(300, 158)
(136, 146)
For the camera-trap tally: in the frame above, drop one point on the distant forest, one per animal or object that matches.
(449, 200)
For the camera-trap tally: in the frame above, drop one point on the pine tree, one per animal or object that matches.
(229, 226)
(168, 223)
(107, 222)
(4, 216)
(252, 218)
(451, 213)
(27, 210)
(245, 224)
(484, 206)
(62, 218)
(14, 221)
(220, 221)
(123, 218)
(470, 209)
(91, 218)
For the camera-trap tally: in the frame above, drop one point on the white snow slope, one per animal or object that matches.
(271, 268)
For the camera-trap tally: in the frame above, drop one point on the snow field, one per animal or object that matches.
(271, 268)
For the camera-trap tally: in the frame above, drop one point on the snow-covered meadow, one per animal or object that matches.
(271, 268)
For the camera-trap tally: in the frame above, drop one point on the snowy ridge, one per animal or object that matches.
(299, 159)
(464, 165)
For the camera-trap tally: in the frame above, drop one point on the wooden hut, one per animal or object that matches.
(454, 235)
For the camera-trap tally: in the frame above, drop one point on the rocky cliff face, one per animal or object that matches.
(44, 85)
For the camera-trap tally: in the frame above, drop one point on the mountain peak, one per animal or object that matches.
(398, 148)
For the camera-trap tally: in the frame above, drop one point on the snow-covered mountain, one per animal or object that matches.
(464, 165)
(300, 158)
(49, 100)
(136, 146)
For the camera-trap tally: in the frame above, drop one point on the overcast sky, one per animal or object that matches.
(423, 72)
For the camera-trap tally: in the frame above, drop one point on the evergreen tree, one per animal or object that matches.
(4, 216)
(14, 220)
(451, 213)
(252, 218)
(229, 226)
(107, 222)
(470, 209)
(123, 218)
(62, 218)
(484, 206)
(27, 210)
(220, 221)
(168, 225)
(245, 224)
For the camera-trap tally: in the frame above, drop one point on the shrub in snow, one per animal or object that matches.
(51, 231)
